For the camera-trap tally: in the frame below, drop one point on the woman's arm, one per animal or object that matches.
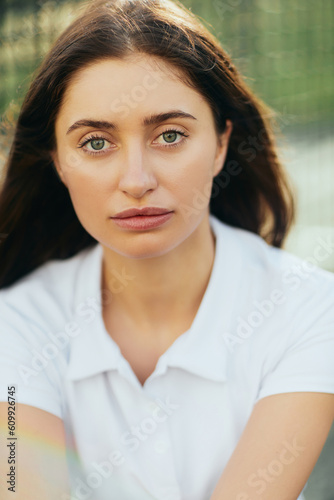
(40, 456)
(278, 448)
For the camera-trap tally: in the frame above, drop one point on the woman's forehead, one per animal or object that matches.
(136, 65)
(128, 86)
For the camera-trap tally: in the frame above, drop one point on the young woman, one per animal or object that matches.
(156, 342)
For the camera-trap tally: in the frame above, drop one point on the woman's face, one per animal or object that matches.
(120, 147)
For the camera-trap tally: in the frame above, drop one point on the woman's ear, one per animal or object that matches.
(55, 159)
(222, 147)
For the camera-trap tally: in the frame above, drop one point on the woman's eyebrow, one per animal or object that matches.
(161, 117)
(149, 120)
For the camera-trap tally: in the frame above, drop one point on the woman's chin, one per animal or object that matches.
(139, 249)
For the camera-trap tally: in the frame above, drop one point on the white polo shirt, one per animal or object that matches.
(265, 326)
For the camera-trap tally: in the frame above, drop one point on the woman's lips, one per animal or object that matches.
(142, 222)
(132, 212)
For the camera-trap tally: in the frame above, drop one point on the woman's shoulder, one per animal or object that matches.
(37, 325)
(46, 292)
(36, 329)
(260, 258)
(281, 334)
(285, 290)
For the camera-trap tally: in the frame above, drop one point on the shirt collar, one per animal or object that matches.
(200, 350)
(92, 351)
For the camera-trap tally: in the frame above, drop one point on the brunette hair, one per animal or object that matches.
(36, 212)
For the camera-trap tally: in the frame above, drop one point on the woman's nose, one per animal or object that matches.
(136, 175)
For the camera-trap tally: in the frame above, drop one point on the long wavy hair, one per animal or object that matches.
(36, 212)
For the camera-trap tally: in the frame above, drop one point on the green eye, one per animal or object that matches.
(97, 144)
(170, 136)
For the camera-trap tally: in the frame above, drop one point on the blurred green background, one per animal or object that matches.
(284, 50)
(283, 47)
